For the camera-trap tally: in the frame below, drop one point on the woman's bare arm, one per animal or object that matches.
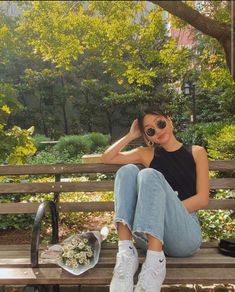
(201, 198)
(114, 154)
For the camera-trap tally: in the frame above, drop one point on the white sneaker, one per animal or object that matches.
(126, 266)
(150, 279)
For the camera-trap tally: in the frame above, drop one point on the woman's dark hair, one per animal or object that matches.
(148, 111)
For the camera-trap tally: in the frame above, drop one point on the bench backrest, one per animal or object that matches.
(58, 185)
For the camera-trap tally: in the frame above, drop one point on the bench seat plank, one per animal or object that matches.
(205, 257)
(102, 276)
(105, 245)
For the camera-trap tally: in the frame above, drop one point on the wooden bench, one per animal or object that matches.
(19, 264)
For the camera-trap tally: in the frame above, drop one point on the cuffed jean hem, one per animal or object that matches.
(123, 221)
(146, 231)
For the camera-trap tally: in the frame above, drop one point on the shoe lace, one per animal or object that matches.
(147, 276)
(121, 268)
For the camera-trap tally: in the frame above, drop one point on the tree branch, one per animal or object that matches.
(206, 25)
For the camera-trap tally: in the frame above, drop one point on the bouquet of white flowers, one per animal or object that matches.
(78, 253)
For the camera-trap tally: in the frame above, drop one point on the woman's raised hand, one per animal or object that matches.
(134, 130)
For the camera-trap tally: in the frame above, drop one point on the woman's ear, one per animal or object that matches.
(147, 142)
(170, 122)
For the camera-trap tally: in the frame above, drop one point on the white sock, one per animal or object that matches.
(126, 246)
(154, 258)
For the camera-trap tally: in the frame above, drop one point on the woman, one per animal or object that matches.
(156, 205)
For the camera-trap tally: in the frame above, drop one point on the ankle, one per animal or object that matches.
(153, 258)
(127, 246)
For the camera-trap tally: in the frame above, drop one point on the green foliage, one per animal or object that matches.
(8, 96)
(19, 222)
(50, 156)
(37, 139)
(217, 224)
(16, 143)
(222, 145)
(112, 236)
(79, 68)
(217, 138)
(126, 44)
(74, 145)
(98, 140)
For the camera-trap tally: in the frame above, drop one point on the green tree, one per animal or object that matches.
(214, 20)
(16, 144)
(82, 67)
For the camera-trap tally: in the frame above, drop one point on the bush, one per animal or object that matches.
(200, 133)
(218, 224)
(37, 139)
(99, 140)
(71, 146)
(222, 145)
(74, 145)
(52, 156)
(21, 221)
(216, 137)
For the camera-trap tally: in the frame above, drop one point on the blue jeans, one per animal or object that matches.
(147, 204)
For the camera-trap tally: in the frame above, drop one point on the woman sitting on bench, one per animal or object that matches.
(156, 205)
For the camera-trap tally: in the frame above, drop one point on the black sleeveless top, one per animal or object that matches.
(178, 168)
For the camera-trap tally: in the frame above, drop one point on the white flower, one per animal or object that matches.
(76, 252)
(89, 254)
(81, 245)
(75, 242)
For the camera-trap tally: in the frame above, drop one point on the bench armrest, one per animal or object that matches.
(37, 228)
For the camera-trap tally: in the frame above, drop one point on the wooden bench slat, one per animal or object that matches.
(216, 204)
(105, 252)
(48, 187)
(58, 169)
(91, 186)
(207, 246)
(219, 165)
(107, 260)
(31, 208)
(19, 208)
(103, 276)
(222, 183)
(200, 276)
(205, 257)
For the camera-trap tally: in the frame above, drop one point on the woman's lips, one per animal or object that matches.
(160, 136)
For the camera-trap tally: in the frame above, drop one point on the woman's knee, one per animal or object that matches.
(125, 185)
(149, 175)
(127, 171)
(149, 185)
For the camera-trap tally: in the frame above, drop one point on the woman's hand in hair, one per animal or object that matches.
(134, 132)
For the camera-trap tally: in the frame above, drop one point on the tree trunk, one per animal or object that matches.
(224, 33)
(63, 105)
(43, 119)
(110, 126)
(229, 50)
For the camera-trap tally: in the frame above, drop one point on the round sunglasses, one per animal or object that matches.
(160, 124)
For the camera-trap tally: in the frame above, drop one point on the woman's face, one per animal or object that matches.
(157, 128)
